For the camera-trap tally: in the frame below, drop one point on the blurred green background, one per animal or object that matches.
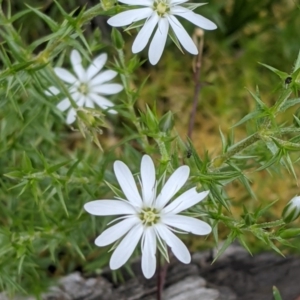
(43, 231)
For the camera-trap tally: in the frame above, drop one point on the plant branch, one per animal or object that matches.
(199, 34)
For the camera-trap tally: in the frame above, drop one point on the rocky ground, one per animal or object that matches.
(234, 276)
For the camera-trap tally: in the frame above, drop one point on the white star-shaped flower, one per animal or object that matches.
(148, 217)
(160, 13)
(88, 87)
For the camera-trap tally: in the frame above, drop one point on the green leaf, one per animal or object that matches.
(14, 174)
(289, 103)
(297, 63)
(56, 167)
(26, 163)
(276, 293)
(282, 75)
(230, 239)
(61, 198)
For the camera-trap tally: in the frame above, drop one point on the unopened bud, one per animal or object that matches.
(292, 210)
(290, 233)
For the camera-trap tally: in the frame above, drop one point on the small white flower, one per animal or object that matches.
(87, 87)
(161, 13)
(148, 217)
(292, 210)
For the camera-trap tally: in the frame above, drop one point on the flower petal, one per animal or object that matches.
(185, 201)
(52, 90)
(144, 34)
(159, 40)
(172, 186)
(129, 16)
(188, 224)
(126, 247)
(133, 2)
(196, 19)
(148, 252)
(103, 77)
(176, 2)
(101, 101)
(127, 183)
(89, 102)
(109, 208)
(183, 37)
(148, 180)
(71, 117)
(65, 75)
(77, 65)
(107, 89)
(177, 246)
(64, 104)
(96, 65)
(115, 232)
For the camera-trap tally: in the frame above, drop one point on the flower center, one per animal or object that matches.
(83, 88)
(162, 7)
(149, 216)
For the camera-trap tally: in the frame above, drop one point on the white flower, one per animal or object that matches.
(163, 14)
(292, 210)
(149, 217)
(87, 87)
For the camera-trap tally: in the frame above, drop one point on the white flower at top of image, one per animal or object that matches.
(161, 14)
(148, 217)
(87, 87)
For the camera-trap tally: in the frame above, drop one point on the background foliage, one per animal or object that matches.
(49, 170)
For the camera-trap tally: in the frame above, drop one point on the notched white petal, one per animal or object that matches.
(52, 91)
(187, 224)
(77, 66)
(127, 183)
(145, 33)
(71, 117)
(148, 179)
(64, 104)
(96, 65)
(115, 232)
(159, 40)
(103, 77)
(134, 2)
(107, 88)
(127, 17)
(148, 253)
(126, 247)
(109, 208)
(176, 245)
(194, 18)
(183, 37)
(172, 186)
(185, 201)
(65, 75)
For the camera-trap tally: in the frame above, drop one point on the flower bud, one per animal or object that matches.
(292, 210)
(290, 233)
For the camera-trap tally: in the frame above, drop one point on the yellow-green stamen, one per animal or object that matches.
(149, 216)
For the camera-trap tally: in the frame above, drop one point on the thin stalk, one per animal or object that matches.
(161, 275)
(158, 277)
(197, 71)
(237, 148)
(126, 83)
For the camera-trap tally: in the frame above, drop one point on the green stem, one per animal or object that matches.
(130, 101)
(235, 149)
(272, 224)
